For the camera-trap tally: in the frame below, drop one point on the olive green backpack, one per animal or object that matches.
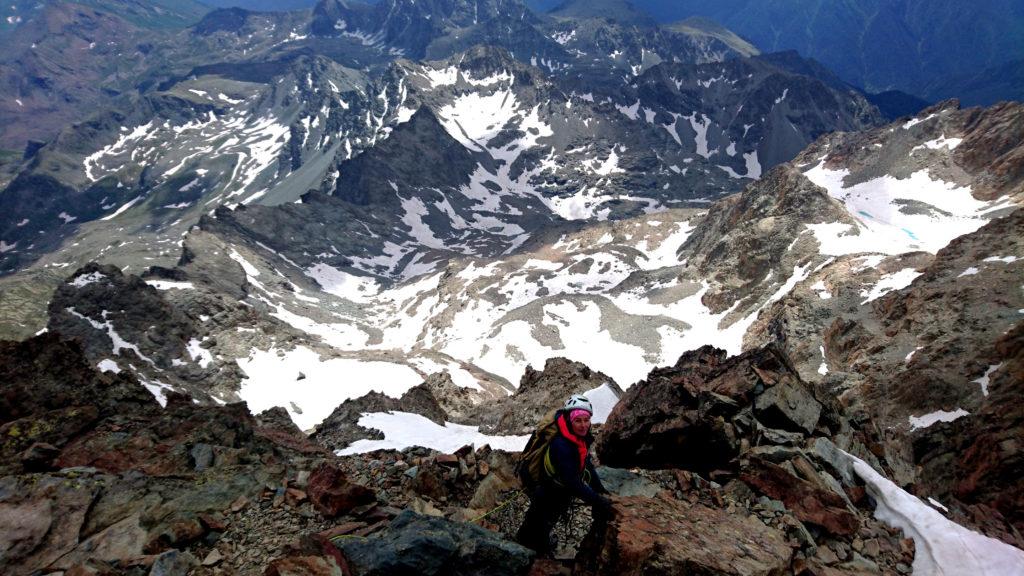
(530, 466)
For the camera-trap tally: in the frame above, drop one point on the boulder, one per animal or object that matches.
(663, 536)
(808, 502)
(173, 563)
(788, 405)
(333, 494)
(41, 518)
(415, 545)
(694, 414)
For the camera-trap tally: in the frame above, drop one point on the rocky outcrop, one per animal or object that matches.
(342, 427)
(111, 477)
(700, 414)
(741, 435)
(663, 536)
(539, 392)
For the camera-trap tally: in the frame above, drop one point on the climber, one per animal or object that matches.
(563, 470)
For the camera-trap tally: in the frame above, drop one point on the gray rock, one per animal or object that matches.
(418, 545)
(781, 436)
(202, 456)
(775, 454)
(789, 406)
(626, 483)
(173, 563)
(771, 505)
(826, 451)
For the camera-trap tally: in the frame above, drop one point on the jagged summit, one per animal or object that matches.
(411, 26)
(420, 143)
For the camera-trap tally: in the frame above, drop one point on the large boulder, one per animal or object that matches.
(697, 414)
(333, 494)
(663, 536)
(415, 545)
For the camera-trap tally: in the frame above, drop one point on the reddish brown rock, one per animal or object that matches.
(176, 535)
(549, 567)
(332, 493)
(305, 566)
(430, 481)
(808, 502)
(447, 459)
(656, 536)
(341, 530)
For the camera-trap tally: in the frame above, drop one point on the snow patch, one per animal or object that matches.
(402, 430)
(200, 355)
(889, 283)
(122, 209)
(882, 226)
(943, 547)
(109, 366)
(972, 271)
(631, 112)
(984, 380)
(603, 399)
(343, 284)
(919, 422)
(169, 285)
(272, 380)
(86, 279)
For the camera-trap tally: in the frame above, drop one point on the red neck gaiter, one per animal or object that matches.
(581, 446)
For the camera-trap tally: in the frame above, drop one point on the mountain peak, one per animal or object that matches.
(696, 26)
(422, 141)
(618, 11)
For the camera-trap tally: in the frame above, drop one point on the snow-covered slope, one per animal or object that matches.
(623, 297)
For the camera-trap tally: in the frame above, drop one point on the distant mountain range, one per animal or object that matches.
(924, 47)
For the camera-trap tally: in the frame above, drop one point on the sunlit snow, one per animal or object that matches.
(402, 430)
(943, 211)
(272, 379)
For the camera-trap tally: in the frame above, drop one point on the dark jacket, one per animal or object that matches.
(565, 458)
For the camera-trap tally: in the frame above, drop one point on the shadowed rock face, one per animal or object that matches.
(980, 460)
(696, 414)
(47, 373)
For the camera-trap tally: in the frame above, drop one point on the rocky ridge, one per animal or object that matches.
(230, 476)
